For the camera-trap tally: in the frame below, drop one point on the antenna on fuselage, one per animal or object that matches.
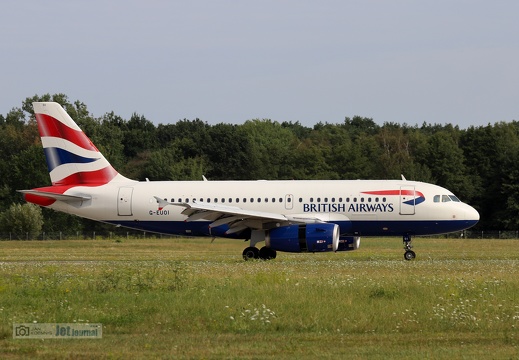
(403, 177)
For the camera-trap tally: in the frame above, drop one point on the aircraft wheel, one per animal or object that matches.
(250, 253)
(409, 255)
(267, 253)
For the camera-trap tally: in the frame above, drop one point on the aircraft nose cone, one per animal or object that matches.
(476, 214)
(471, 215)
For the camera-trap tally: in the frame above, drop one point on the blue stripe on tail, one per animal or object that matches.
(57, 156)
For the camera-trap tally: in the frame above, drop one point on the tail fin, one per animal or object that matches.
(72, 159)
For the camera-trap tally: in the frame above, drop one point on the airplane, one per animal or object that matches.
(287, 215)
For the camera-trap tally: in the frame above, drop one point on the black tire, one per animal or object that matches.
(409, 255)
(250, 253)
(267, 253)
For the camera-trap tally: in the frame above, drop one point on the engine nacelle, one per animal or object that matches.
(349, 243)
(304, 238)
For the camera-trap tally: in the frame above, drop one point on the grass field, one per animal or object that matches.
(188, 298)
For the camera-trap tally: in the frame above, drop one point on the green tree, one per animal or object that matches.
(504, 173)
(22, 219)
(271, 149)
(309, 161)
(139, 135)
(229, 153)
(358, 126)
(109, 140)
(446, 161)
(396, 154)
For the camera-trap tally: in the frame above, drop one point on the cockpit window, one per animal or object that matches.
(445, 198)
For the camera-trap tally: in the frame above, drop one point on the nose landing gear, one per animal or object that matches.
(409, 254)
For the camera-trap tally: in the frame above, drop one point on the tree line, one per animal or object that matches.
(478, 164)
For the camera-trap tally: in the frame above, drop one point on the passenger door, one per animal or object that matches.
(407, 200)
(124, 201)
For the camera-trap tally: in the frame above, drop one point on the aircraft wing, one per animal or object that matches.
(236, 218)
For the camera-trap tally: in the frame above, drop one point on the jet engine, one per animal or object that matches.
(304, 238)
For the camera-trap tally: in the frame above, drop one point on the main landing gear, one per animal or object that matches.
(409, 254)
(265, 253)
(252, 252)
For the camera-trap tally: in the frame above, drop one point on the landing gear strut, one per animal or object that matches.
(409, 254)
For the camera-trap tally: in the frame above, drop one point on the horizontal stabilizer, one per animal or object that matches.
(60, 197)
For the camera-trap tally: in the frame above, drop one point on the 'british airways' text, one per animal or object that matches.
(323, 208)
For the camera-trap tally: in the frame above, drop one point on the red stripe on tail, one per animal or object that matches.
(49, 126)
(89, 178)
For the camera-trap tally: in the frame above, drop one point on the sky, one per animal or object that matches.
(402, 61)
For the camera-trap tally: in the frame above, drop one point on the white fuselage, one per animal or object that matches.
(359, 207)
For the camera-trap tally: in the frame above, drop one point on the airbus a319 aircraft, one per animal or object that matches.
(290, 215)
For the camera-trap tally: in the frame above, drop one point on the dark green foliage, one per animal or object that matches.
(22, 219)
(479, 164)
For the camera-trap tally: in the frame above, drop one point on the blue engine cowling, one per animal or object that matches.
(304, 238)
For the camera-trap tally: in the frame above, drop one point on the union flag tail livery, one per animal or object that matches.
(72, 159)
(290, 216)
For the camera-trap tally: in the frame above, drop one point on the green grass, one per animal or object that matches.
(188, 298)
